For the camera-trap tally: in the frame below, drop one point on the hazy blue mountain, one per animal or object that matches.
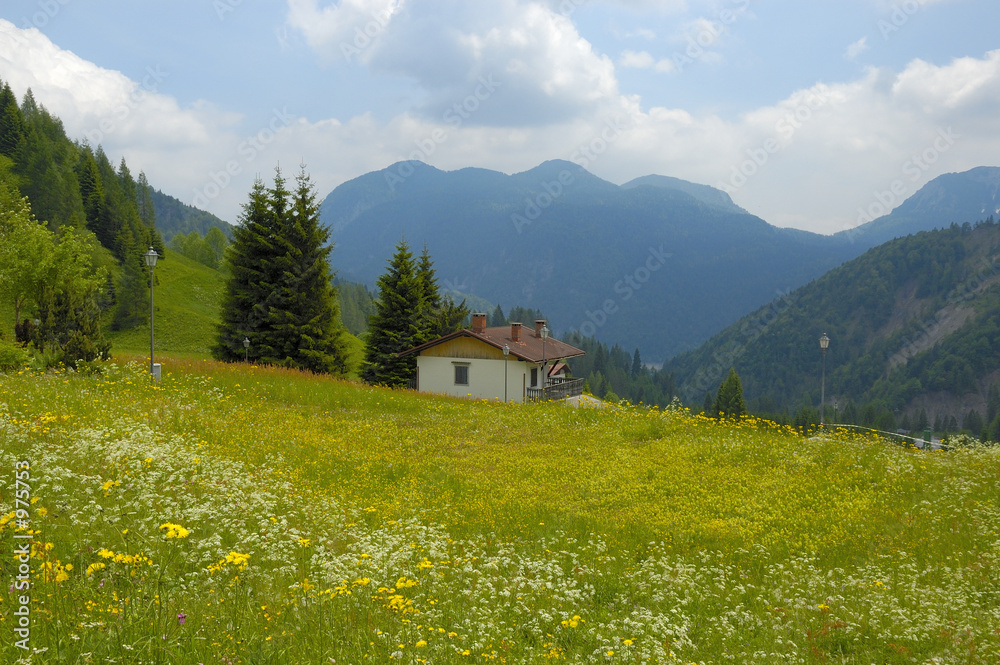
(704, 193)
(649, 265)
(970, 196)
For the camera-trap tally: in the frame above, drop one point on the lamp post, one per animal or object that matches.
(545, 376)
(150, 258)
(246, 349)
(824, 343)
(506, 352)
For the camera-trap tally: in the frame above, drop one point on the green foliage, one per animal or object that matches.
(26, 247)
(210, 250)
(357, 304)
(12, 356)
(614, 369)
(279, 294)
(729, 401)
(398, 324)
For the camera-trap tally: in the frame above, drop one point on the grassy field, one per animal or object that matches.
(237, 514)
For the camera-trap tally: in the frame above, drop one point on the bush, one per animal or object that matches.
(12, 357)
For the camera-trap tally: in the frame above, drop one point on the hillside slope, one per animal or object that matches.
(914, 323)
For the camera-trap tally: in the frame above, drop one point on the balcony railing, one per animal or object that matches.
(557, 389)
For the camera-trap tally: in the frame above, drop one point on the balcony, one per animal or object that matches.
(556, 390)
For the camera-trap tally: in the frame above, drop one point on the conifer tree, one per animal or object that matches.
(396, 324)
(11, 123)
(729, 401)
(249, 260)
(280, 295)
(440, 315)
(497, 318)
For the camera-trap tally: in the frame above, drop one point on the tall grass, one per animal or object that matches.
(242, 514)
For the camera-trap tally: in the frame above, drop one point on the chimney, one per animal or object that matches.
(539, 324)
(515, 332)
(478, 322)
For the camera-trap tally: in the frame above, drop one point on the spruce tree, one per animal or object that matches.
(396, 324)
(310, 324)
(729, 401)
(280, 295)
(11, 123)
(249, 261)
(497, 318)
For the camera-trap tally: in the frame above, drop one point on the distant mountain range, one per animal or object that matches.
(658, 263)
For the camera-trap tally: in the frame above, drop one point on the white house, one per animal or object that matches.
(504, 363)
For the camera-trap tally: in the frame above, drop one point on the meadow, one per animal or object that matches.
(242, 514)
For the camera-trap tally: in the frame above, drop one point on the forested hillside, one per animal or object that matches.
(914, 327)
(174, 216)
(76, 185)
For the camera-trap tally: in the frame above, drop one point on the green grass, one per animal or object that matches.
(386, 526)
(187, 296)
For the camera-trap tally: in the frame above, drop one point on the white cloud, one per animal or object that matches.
(857, 48)
(827, 149)
(546, 71)
(636, 59)
(347, 29)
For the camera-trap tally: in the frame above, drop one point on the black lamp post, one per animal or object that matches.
(246, 349)
(824, 344)
(150, 258)
(506, 352)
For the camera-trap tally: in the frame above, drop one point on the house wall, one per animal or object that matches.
(436, 374)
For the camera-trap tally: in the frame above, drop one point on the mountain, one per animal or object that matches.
(704, 193)
(174, 216)
(953, 197)
(658, 264)
(914, 326)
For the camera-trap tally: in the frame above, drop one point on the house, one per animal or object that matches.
(506, 363)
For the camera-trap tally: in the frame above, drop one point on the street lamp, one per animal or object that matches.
(246, 349)
(824, 343)
(545, 377)
(150, 258)
(506, 352)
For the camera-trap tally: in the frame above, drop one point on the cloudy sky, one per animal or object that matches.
(806, 111)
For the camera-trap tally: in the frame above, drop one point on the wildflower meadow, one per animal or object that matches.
(241, 514)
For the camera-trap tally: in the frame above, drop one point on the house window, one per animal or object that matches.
(461, 375)
(534, 377)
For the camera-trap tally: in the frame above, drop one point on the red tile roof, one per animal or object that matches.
(529, 348)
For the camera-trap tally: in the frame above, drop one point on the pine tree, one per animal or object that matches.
(249, 262)
(429, 328)
(636, 363)
(280, 294)
(729, 402)
(11, 123)
(396, 324)
(312, 323)
(497, 318)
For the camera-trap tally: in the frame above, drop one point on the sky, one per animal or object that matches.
(812, 114)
